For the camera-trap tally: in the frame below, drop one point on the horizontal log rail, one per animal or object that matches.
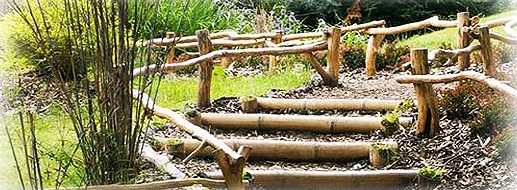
(224, 43)
(229, 53)
(167, 184)
(508, 27)
(279, 150)
(329, 124)
(357, 27)
(433, 55)
(465, 75)
(502, 38)
(430, 22)
(327, 104)
(184, 124)
(371, 179)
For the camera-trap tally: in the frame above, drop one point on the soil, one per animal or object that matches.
(471, 160)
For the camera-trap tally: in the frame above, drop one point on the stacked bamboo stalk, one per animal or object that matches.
(253, 103)
(327, 124)
(285, 179)
(277, 150)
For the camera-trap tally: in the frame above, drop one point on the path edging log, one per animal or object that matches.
(321, 104)
(329, 124)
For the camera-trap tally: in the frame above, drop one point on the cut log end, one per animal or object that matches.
(249, 104)
(382, 154)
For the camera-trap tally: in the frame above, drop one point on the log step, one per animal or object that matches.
(251, 104)
(328, 124)
(284, 179)
(278, 150)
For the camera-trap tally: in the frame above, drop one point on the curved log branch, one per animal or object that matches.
(508, 40)
(491, 82)
(433, 21)
(240, 52)
(344, 29)
(181, 122)
(452, 53)
(223, 42)
(498, 22)
(508, 27)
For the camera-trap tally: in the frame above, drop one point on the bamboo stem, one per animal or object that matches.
(205, 70)
(327, 104)
(328, 124)
(486, 51)
(333, 59)
(288, 179)
(463, 39)
(296, 151)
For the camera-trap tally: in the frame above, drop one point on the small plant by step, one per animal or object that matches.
(390, 120)
(382, 154)
(432, 173)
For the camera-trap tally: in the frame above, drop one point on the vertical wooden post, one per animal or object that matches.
(225, 60)
(333, 59)
(463, 39)
(374, 43)
(486, 51)
(205, 70)
(273, 60)
(428, 116)
(233, 169)
(171, 54)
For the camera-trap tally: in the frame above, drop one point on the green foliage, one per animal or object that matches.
(247, 176)
(432, 173)
(390, 120)
(387, 151)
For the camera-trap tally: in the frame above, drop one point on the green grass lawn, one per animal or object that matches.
(177, 93)
(449, 35)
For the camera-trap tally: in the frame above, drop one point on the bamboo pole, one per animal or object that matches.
(273, 60)
(370, 179)
(294, 151)
(374, 43)
(428, 119)
(327, 79)
(328, 124)
(205, 70)
(327, 104)
(463, 39)
(433, 21)
(239, 52)
(491, 82)
(486, 51)
(167, 184)
(333, 59)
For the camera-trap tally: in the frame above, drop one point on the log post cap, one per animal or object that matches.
(418, 49)
(170, 35)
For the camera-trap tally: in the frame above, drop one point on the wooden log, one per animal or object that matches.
(205, 70)
(327, 104)
(486, 51)
(249, 104)
(508, 27)
(185, 39)
(167, 184)
(507, 40)
(225, 60)
(161, 162)
(238, 52)
(184, 124)
(498, 22)
(430, 22)
(381, 154)
(374, 43)
(328, 124)
(370, 179)
(327, 79)
(433, 55)
(355, 27)
(171, 54)
(428, 119)
(273, 60)
(463, 39)
(465, 75)
(224, 43)
(233, 172)
(293, 151)
(333, 59)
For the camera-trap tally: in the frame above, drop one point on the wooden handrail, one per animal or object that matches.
(168, 184)
(508, 27)
(508, 40)
(238, 52)
(452, 53)
(447, 78)
(433, 21)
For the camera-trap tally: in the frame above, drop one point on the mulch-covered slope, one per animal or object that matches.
(472, 161)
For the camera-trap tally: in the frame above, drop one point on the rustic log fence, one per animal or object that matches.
(232, 162)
